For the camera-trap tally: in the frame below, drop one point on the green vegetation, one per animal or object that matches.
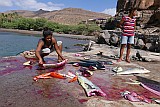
(14, 21)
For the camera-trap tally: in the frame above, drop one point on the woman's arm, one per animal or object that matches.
(56, 48)
(135, 25)
(38, 50)
(121, 24)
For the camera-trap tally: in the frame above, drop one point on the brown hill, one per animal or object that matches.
(64, 16)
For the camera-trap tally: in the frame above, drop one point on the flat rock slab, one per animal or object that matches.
(19, 90)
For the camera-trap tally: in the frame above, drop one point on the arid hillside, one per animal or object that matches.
(64, 16)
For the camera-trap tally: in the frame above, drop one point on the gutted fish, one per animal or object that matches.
(90, 88)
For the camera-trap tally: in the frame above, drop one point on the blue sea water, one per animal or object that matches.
(12, 44)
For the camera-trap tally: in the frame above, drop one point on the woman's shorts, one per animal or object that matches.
(127, 39)
(47, 50)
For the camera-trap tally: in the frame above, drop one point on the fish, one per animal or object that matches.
(55, 75)
(99, 66)
(86, 72)
(157, 101)
(117, 69)
(150, 85)
(152, 88)
(78, 55)
(73, 79)
(60, 64)
(133, 71)
(130, 96)
(98, 62)
(72, 76)
(134, 97)
(90, 88)
(49, 75)
(27, 63)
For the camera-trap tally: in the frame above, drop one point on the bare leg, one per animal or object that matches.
(128, 53)
(43, 55)
(60, 48)
(121, 52)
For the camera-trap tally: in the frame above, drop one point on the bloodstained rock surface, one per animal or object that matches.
(18, 89)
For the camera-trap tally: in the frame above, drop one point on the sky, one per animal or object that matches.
(102, 6)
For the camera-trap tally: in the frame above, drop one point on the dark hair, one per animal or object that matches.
(46, 32)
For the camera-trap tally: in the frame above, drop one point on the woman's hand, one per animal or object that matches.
(40, 62)
(62, 58)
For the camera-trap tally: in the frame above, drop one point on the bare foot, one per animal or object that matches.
(119, 60)
(59, 60)
(127, 60)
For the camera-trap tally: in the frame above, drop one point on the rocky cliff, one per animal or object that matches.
(139, 4)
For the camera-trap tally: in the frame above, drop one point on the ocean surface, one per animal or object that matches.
(12, 44)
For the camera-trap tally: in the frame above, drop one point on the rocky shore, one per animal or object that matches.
(18, 88)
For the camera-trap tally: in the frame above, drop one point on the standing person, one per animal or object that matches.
(46, 45)
(127, 24)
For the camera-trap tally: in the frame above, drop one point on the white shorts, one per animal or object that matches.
(127, 39)
(47, 50)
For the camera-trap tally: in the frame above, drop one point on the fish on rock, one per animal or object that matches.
(90, 88)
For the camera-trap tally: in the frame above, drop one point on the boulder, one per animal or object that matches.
(103, 37)
(114, 39)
